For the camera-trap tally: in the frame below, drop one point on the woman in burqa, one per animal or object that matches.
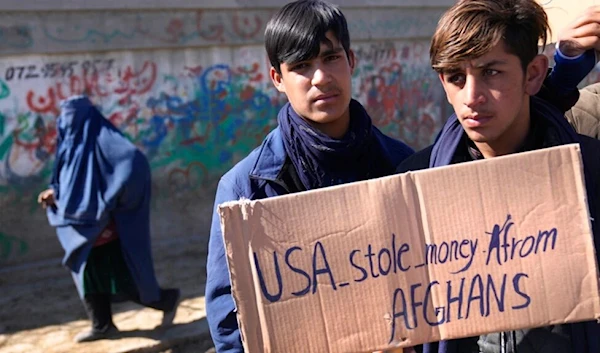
(99, 203)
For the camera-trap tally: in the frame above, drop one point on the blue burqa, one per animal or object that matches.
(98, 175)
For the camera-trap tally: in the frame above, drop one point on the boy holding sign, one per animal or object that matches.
(486, 54)
(324, 137)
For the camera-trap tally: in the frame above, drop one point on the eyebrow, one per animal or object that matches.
(331, 51)
(490, 63)
(485, 65)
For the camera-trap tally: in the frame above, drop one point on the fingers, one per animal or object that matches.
(588, 30)
(46, 198)
(582, 34)
(574, 47)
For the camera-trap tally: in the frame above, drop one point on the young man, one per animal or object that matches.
(324, 137)
(486, 54)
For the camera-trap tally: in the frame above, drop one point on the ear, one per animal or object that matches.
(277, 80)
(536, 74)
(441, 77)
(351, 60)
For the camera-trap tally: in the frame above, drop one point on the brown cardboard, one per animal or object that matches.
(562, 12)
(461, 205)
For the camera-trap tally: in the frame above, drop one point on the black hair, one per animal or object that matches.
(296, 31)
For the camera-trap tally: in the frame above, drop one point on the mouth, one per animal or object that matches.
(475, 121)
(326, 97)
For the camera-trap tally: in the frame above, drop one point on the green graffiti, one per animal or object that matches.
(23, 120)
(5, 146)
(4, 90)
(6, 246)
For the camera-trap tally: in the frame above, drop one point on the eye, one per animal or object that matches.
(299, 67)
(332, 57)
(490, 72)
(456, 79)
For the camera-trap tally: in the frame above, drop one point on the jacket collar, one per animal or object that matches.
(271, 157)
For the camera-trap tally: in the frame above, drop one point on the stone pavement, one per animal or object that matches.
(40, 311)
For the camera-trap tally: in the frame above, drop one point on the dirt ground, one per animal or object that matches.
(41, 312)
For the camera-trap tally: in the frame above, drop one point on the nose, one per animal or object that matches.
(320, 77)
(473, 90)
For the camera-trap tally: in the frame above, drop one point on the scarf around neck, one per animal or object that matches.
(322, 161)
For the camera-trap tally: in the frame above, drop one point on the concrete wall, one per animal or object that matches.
(189, 85)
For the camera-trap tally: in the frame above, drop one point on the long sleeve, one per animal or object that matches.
(560, 87)
(220, 308)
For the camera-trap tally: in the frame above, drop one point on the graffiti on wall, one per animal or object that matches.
(192, 115)
(400, 91)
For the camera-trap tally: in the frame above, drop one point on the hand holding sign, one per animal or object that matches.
(581, 34)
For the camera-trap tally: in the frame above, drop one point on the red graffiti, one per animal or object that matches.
(189, 178)
(384, 93)
(253, 72)
(247, 93)
(129, 82)
(215, 31)
(136, 83)
(245, 27)
(43, 104)
(197, 136)
(45, 141)
(175, 29)
(124, 118)
(194, 71)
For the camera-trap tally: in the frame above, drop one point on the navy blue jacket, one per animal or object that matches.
(258, 176)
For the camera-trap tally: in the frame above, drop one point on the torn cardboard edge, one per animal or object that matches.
(256, 232)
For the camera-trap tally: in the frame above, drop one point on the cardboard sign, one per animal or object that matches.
(562, 12)
(444, 253)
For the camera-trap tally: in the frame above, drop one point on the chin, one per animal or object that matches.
(325, 118)
(478, 137)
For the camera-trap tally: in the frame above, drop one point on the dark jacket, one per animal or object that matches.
(552, 339)
(265, 172)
